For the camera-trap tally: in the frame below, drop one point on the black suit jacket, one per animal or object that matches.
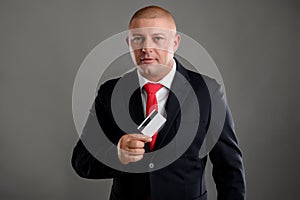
(183, 179)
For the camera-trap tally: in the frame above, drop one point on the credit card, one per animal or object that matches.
(152, 123)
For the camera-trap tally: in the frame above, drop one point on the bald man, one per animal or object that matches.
(152, 41)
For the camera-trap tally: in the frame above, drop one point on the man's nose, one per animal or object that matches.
(147, 45)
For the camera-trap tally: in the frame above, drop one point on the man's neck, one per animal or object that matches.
(166, 80)
(152, 78)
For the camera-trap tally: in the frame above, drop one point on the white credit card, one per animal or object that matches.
(152, 123)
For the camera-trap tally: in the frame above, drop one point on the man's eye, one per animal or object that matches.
(137, 39)
(158, 38)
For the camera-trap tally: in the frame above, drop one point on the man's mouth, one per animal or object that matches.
(147, 60)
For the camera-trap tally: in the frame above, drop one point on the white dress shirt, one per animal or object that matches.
(163, 93)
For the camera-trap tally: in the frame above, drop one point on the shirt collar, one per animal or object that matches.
(165, 81)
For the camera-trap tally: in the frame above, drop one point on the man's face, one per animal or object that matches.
(152, 45)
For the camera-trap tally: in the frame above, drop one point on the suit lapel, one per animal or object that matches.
(179, 92)
(136, 107)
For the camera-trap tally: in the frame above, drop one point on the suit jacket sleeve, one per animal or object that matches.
(83, 162)
(226, 157)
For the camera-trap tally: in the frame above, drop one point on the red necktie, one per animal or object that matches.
(151, 89)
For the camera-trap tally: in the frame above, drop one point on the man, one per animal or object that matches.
(153, 40)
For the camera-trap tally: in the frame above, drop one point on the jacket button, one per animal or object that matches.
(151, 165)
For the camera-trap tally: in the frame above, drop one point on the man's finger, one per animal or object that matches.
(129, 151)
(136, 144)
(141, 137)
(136, 151)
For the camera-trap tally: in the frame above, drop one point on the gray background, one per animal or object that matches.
(42, 44)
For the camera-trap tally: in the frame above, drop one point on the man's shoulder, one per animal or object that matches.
(197, 79)
(108, 86)
(197, 75)
(194, 76)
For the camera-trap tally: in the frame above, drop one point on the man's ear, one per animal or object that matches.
(176, 42)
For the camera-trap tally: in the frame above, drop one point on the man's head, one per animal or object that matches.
(153, 40)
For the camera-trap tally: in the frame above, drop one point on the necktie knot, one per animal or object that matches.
(152, 88)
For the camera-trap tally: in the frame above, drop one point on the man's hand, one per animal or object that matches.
(131, 147)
